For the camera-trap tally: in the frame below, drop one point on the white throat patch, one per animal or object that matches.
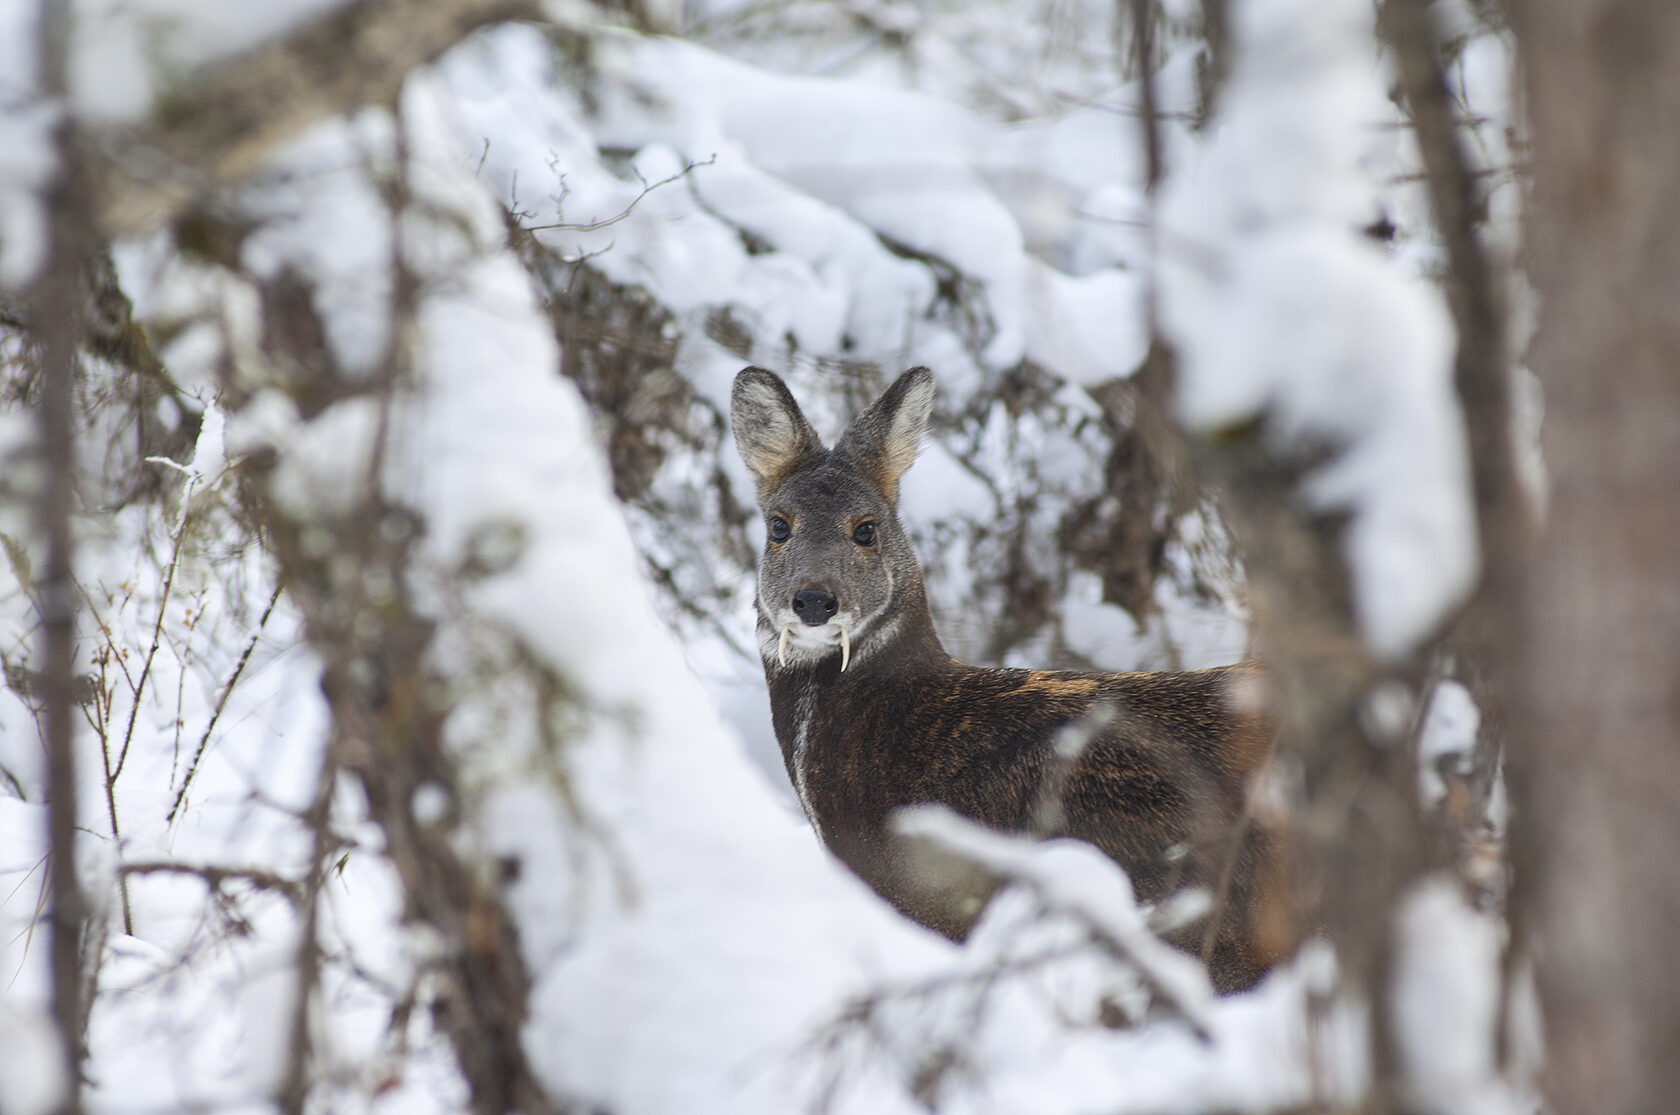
(804, 712)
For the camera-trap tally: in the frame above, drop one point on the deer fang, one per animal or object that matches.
(781, 646)
(845, 650)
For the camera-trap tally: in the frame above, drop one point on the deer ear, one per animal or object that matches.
(771, 432)
(884, 439)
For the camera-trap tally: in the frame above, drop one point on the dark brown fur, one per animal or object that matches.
(1161, 787)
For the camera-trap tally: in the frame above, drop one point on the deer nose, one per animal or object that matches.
(814, 606)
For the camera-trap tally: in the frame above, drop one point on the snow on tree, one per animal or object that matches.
(379, 568)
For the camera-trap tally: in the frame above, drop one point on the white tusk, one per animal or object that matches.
(845, 650)
(781, 648)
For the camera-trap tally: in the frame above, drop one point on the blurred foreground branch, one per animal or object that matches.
(218, 127)
(56, 305)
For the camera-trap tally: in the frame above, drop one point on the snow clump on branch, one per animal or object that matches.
(1281, 310)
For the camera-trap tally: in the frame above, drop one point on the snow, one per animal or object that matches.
(692, 946)
(126, 52)
(27, 159)
(819, 168)
(639, 931)
(1449, 728)
(346, 234)
(1177, 634)
(27, 164)
(326, 464)
(1072, 877)
(674, 817)
(1447, 1004)
(32, 1083)
(122, 55)
(1281, 310)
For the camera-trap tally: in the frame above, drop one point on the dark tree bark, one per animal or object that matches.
(1596, 761)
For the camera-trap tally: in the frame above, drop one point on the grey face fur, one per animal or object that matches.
(824, 496)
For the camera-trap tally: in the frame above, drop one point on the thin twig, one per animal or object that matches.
(215, 876)
(1481, 374)
(863, 1013)
(116, 830)
(1143, 41)
(1247, 824)
(1072, 740)
(27, 933)
(105, 630)
(157, 629)
(221, 703)
(1008, 859)
(294, 1089)
(183, 658)
(114, 773)
(647, 188)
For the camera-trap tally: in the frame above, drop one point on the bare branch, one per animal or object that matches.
(1143, 42)
(1482, 372)
(56, 302)
(221, 125)
(294, 1088)
(216, 877)
(647, 188)
(1112, 925)
(1216, 27)
(221, 703)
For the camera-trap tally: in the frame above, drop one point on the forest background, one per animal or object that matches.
(382, 728)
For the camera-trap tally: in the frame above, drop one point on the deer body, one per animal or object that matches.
(873, 715)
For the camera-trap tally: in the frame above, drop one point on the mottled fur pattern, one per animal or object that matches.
(1162, 785)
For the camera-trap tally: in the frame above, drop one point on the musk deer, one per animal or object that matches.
(872, 714)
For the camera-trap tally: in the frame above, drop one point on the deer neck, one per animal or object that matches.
(810, 697)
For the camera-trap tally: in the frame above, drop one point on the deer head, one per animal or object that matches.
(838, 574)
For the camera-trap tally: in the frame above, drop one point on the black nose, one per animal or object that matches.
(814, 605)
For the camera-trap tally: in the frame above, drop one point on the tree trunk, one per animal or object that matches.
(1596, 759)
(55, 303)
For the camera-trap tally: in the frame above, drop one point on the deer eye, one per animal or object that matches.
(864, 535)
(779, 529)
